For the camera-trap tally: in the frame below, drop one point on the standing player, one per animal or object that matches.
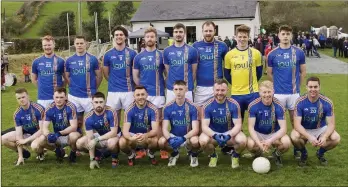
(180, 61)
(314, 122)
(118, 63)
(221, 125)
(287, 69)
(243, 68)
(103, 120)
(182, 116)
(140, 126)
(211, 54)
(62, 114)
(148, 71)
(47, 72)
(28, 120)
(84, 75)
(267, 124)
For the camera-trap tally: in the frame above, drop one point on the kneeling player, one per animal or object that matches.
(104, 121)
(140, 126)
(181, 115)
(267, 125)
(28, 118)
(314, 122)
(217, 126)
(62, 114)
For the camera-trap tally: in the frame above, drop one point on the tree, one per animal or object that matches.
(121, 13)
(96, 6)
(57, 26)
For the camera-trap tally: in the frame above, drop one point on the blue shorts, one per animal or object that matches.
(245, 100)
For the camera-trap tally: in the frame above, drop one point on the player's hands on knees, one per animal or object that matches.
(52, 137)
(141, 137)
(313, 141)
(92, 143)
(219, 139)
(322, 140)
(20, 161)
(21, 142)
(265, 146)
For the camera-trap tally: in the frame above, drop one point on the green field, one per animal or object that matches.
(329, 52)
(50, 173)
(52, 9)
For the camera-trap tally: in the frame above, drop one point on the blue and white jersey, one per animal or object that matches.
(151, 68)
(49, 73)
(314, 114)
(267, 116)
(102, 123)
(29, 118)
(211, 55)
(83, 80)
(180, 61)
(60, 117)
(120, 65)
(180, 117)
(285, 65)
(141, 118)
(221, 115)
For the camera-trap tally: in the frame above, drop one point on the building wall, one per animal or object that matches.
(225, 26)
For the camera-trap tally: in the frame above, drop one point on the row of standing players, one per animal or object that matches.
(201, 63)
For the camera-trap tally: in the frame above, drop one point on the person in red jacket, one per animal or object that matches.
(26, 72)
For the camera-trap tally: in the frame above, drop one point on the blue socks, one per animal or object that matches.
(321, 151)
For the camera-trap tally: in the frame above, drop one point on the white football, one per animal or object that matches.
(261, 165)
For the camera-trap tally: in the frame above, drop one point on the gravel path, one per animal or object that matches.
(326, 64)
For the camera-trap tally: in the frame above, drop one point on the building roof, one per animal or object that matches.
(157, 10)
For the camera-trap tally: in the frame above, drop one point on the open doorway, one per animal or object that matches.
(190, 34)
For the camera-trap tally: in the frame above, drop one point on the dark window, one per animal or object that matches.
(169, 30)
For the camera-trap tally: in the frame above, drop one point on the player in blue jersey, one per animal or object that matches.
(28, 120)
(62, 114)
(180, 61)
(140, 127)
(314, 122)
(267, 124)
(48, 72)
(102, 131)
(148, 69)
(211, 54)
(84, 75)
(118, 63)
(222, 124)
(182, 116)
(287, 70)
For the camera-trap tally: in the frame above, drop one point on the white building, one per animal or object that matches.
(226, 14)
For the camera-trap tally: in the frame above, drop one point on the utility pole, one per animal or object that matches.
(80, 16)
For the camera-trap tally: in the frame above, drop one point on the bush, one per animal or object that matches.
(34, 45)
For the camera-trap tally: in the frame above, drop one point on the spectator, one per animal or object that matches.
(322, 40)
(219, 38)
(228, 42)
(345, 44)
(26, 72)
(233, 42)
(335, 46)
(259, 45)
(340, 47)
(316, 44)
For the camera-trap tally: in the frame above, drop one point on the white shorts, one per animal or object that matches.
(62, 141)
(171, 96)
(103, 143)
(263, 137)
(25, 136)
(316, 132)
(82, 104)
(45, 103)
(202, 94)
(119, 100)
(287, 100)
(158, 101)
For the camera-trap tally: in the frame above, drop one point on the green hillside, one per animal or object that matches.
(51, 9)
